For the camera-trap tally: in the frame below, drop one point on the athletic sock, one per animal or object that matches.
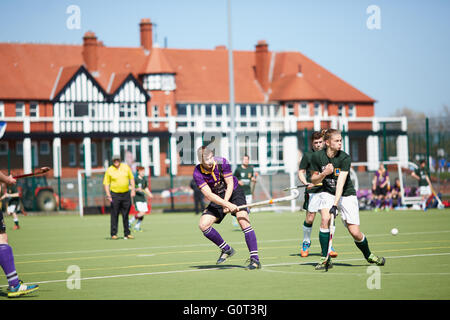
(363, 245)
(16, 222)
(378, 203)
(250, 239)
(7, 263)
(215, 237)
(132, 219)
(324, 238)
(307, 227)
(140, 219)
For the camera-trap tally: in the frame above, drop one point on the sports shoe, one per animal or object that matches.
(129, 237)
(137, 228)
(21, 289)
(114, 237)
(16, 227)
(322, 265)
(379, 261)
(225, 254)
(254, 264)
(333, 253)
(304, 252)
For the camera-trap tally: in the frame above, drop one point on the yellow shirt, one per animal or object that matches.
(118, 179)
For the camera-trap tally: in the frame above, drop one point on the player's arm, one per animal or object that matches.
(415, 176)
(302, 176)
(230, 186)
(374, 182)
(209, 195)
(7, 179)
(237, 174)
(106, 183)
(148, 193)
(317, 177)
(340, 186)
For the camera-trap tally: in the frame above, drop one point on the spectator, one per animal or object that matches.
(380, 187)
(395, 194)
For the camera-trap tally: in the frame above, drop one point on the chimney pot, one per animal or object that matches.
(90, 45)
(146, 34)
(262, 63)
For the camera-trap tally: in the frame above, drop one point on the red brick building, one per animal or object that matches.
(75, 105)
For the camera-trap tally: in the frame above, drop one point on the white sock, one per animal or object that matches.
(307, 234)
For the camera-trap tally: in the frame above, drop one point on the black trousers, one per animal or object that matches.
(121, 203)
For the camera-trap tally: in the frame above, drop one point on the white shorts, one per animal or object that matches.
(348, 207)
(12, 208)
(315, 202)
(141, 206)
(425, 190)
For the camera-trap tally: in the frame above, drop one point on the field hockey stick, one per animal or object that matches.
(294, 194)
(440, 204)
(302, 186)
(35, 173)
(330, 242)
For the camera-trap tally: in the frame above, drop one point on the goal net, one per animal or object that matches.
(270, 183)
(362, 174)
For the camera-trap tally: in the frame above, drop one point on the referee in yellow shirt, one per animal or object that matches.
(117, 181)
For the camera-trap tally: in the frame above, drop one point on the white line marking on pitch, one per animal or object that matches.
(208, 244)
(269, 265)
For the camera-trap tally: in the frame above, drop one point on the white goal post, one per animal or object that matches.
(81, 190)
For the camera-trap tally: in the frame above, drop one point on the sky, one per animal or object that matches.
(397, 54)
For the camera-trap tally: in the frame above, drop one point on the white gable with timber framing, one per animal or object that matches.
(82, 105)
(130, 100)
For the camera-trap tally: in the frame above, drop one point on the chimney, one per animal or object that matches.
(262, 62)
(90, 51)
(146, 34)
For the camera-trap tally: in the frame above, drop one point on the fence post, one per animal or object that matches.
(428, 142)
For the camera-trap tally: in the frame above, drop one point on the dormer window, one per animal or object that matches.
(164, 82)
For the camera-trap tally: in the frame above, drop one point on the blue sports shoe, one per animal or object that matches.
(304, 252)
(21, 289)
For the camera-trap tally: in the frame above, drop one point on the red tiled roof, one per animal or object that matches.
(157, 62)
(317, 80)
(30, 72)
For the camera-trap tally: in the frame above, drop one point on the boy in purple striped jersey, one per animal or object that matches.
(215, 179)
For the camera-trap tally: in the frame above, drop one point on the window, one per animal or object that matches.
(19, 148)
(20, 109)
(325, 110)
(72, 154)
(4, 148)
(182, 110)
(317, 109)
(44, 148)
(167, 110)
(168, 82)
(128, 110)
(253, 111)
(93, 153)
(290, 109)
(155, 114)
(243, 111)
(81, 109)
(351, 110)
(2, 109)
(304, 110)
(208, 110)
(34, 109)
(341, 110)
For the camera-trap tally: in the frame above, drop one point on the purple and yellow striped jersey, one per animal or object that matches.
(211, 178)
